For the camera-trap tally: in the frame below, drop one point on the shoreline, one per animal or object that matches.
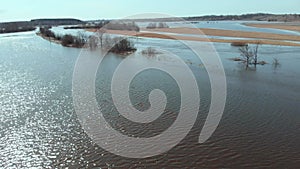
(51, 39)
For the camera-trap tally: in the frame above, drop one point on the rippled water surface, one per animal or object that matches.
(39, 126)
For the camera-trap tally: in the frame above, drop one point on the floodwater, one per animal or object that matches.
(39, 126)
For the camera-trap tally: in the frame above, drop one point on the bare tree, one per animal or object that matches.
(276, 63)
(250, 54)
(162, 25)
(81, 38)
(151, 26)
(100, 34)
(150, 52)
(255, 51)
(247, 54)
(107, 41)
(93, 42)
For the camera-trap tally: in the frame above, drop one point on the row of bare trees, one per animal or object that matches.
(116, 45)
(97, 39)
(155, 25)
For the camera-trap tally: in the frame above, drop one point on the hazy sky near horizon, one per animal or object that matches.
(15, 10)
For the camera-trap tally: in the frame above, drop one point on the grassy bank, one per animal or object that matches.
(284, 26)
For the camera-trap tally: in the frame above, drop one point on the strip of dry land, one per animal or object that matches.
(228, 33)
(288, 26)
(178, 34)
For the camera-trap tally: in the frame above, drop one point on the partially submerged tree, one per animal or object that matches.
(250, 55)
(255, 51)
(247, 55)
(93, 42)
(276, 63)
(150, 52)
(81, 38)
(73, 41)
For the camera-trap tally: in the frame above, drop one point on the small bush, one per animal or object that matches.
(162, 25)
(239, 44)
(151, 26)
(150, 52)
(236, 59)
(262, 62)
(47, 32)
(122, 46)
(67, 40)
(72, 41)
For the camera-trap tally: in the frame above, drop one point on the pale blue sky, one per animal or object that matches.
(12, 10)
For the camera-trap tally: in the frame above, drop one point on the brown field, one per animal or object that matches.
(262, 38)
(277, 26)
(228, 33)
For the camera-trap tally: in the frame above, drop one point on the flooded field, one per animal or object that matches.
(39, 126)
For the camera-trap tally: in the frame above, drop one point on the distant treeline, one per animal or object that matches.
(111, 25)
(56, 22)
(9, 27)
(249, 17)
(246, 17)
(90, 25)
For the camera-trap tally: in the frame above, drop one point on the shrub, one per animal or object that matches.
(122, 46)
(58, 37)
(162, 25)
(46, 32)
(151, 26)
(130, 26)
(67, 40)
(150, 52)
(239, 44)
(78, 42)
(74, 41)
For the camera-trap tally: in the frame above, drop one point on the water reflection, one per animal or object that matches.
(39, 128)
